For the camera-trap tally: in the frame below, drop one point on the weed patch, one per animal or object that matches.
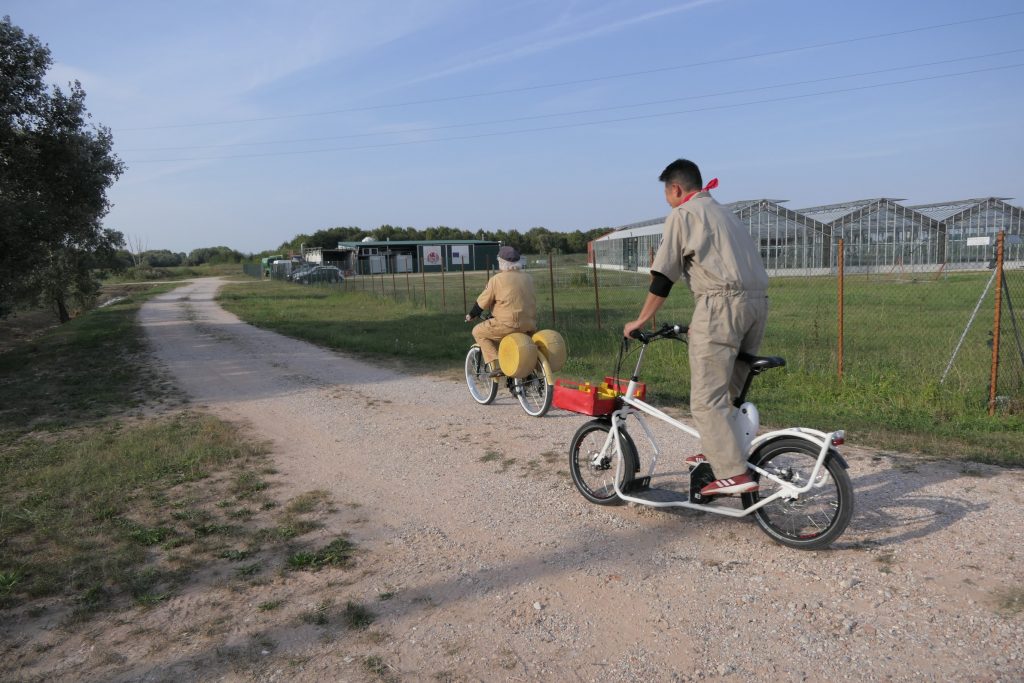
(338, 553)
(357, 617)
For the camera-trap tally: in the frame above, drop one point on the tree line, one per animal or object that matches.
(534, 241)
(165, 258)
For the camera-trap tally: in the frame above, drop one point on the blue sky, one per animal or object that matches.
(246, 123)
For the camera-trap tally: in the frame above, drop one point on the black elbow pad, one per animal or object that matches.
(660, 285)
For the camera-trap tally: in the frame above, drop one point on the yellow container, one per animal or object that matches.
(517, 355)
(551, 344)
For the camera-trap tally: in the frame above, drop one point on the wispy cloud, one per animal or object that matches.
(559, 34)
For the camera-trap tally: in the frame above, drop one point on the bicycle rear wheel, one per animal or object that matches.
(482, 386)
(593, 468)
(534, 392)
(817, 517)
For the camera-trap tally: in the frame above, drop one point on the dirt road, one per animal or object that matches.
(496, 569)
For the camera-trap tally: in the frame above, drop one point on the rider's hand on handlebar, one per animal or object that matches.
(630, 327)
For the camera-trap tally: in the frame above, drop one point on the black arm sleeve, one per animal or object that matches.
(660, 285)
(476, 311)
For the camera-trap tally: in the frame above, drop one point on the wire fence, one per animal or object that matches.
(953, 339)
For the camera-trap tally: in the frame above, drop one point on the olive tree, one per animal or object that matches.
(55, 169)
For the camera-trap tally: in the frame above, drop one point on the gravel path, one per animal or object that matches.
(500, 570)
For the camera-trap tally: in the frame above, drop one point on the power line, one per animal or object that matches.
(559, 84)
(591, 123)
(426, 129)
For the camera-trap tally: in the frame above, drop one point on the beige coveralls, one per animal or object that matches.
(510, 297)
(704, 243)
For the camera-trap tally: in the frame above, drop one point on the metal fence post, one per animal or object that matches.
(597, 298)
(994, 380)
(551, 272)
(463, 264)
(840, 263)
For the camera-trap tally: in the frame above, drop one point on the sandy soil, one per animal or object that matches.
(482, 562)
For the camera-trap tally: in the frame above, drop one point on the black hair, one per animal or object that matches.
(684, 172)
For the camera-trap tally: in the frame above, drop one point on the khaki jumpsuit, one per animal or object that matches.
(704, 243)
(510, 297)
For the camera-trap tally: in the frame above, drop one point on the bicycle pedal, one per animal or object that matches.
(641, 484)
(700, 476)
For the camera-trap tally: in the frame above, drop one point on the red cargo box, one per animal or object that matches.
(588, 399)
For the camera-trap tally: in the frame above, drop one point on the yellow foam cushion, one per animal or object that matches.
(517, 355)
(551, 344)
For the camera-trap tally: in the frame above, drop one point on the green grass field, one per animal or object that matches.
(899, 336)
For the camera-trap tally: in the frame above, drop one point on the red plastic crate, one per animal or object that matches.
(581, 397)
(589, 399)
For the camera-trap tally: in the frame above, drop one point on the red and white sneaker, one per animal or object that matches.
(741, 483)
(695, 460)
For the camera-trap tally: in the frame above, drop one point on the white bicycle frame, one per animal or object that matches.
(635, 407)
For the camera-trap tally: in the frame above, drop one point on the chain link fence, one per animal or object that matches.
(910, 338)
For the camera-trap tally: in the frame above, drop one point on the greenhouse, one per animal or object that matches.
(965, 221)
(881, 235)
(789, 241)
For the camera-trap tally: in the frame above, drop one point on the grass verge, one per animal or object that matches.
(112, 494)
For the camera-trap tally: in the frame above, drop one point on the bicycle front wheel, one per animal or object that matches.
(817, 517)
(534, 392)
(593, 467)
(482, 386)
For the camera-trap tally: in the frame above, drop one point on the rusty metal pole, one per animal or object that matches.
(551, 271)
(444, 307)
(994, 379)
(423, 274)
(463, 263)
(841, 264)
(597, 298)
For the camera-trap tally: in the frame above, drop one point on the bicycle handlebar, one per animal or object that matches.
(667, 331)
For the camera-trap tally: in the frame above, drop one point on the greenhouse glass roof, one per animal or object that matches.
(943, 210)
(832, 212)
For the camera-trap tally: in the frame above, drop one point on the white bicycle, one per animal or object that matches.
(805, 497)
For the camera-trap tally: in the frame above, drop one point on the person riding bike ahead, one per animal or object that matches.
(704, 243)
(510, 297)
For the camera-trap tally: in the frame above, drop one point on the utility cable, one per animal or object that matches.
(594, 79)
(589, 123)
(535, 117)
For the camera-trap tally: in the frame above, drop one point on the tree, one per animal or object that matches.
(55, 169)
(213, 256)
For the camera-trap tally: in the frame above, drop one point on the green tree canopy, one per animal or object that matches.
(214, 256)
(55, 169)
